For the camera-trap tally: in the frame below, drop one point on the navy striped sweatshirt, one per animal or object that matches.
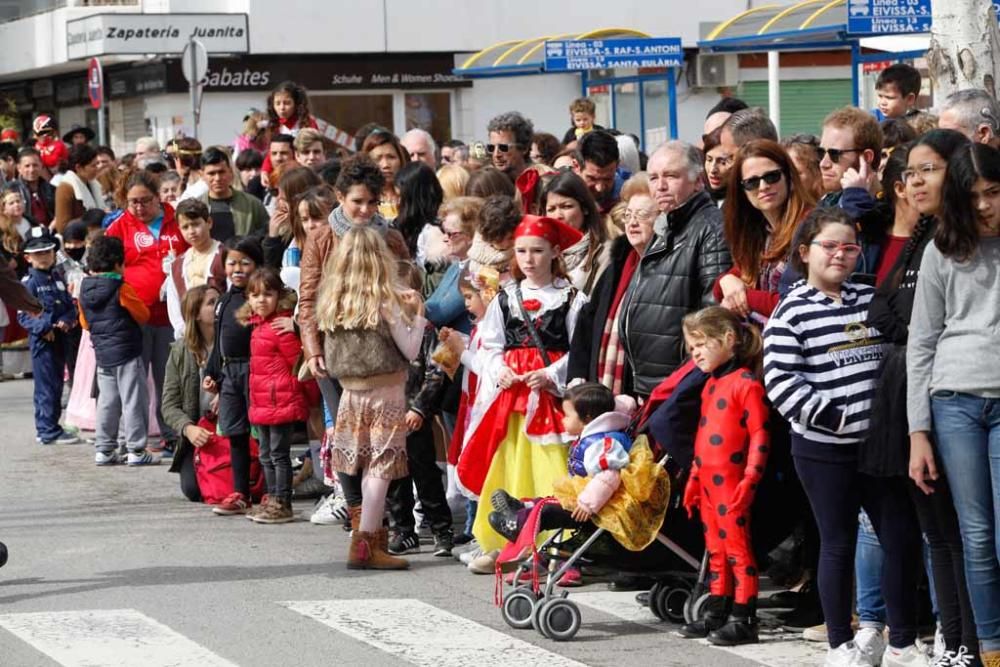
(821, 361)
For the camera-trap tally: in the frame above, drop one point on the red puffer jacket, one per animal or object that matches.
(276, 395)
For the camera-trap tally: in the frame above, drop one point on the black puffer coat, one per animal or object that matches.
(675, 277)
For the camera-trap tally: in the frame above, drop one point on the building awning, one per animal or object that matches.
(526, 56)
(808, 24)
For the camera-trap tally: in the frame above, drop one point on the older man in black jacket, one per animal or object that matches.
(678, 269)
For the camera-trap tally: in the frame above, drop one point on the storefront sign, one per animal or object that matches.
(262, 73)
(565, 55)
(888, 17)
(104, 34)
(137, 81)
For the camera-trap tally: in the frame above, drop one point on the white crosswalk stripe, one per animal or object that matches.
(422, 634)
(782, 649)
(108, 638)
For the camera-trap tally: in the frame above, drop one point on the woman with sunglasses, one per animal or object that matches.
(765, 204)
(152, 239)
(383, 147)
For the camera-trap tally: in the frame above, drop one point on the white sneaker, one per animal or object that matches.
(469, 556)
(330, 511)
(910, 656)
(143, 458)
(939, 645)
(485, 564)
(871, 645)
(961, 658)
(845, 655)
(107, 458)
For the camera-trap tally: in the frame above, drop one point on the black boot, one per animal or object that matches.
(505, 524)
(714, 616)
(741, 628)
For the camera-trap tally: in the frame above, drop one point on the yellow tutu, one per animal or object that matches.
(521, 468)
(635, 512)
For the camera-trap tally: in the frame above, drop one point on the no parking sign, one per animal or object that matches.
(95, 83)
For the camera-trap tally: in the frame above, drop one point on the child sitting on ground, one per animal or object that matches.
(114, 315)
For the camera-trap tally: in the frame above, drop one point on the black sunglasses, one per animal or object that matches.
(835, 153)
(770, 177)
(490, 148)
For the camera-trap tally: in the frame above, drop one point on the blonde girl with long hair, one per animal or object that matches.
(373, 326)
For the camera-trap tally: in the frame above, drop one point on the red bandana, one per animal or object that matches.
(555, 232)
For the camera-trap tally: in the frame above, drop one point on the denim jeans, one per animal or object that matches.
(868, 559)
(967, 431)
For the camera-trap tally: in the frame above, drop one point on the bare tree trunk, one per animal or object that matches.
(965, 46)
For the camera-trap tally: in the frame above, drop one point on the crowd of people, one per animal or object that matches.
(513, 306)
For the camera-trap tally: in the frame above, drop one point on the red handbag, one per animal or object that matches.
(213, 467)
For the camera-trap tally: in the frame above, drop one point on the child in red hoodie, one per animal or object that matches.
(276, 397)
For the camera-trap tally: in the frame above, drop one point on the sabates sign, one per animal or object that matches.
(105, 34)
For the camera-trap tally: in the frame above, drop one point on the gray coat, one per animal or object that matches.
(675, 277)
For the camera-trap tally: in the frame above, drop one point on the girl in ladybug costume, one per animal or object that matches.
(730, 453)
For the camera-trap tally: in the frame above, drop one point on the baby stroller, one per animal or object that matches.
(670, 420)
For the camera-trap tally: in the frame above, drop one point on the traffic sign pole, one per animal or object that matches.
(95, 90)
(194, 64)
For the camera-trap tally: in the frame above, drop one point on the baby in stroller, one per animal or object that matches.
(599, 458)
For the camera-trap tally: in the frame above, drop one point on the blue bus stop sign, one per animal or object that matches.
(574, 55)
(888, 17)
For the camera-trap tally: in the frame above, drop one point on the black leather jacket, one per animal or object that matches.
(425, 381)
(675, 277)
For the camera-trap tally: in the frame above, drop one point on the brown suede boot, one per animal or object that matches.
(355, 514)
(365, 554)
(990, 658)
(382, 559)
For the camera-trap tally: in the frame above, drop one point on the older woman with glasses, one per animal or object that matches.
(765, 203)
(152, 240)
(596, 352)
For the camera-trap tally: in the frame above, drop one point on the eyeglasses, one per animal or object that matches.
(503, 148)
(835, 153)
(924, 170)
(141, 202)
(639, 216)
(831, 248)
(448, 236)
(753, 183)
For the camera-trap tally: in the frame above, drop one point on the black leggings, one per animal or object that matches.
(939, 524)
(351, 486)
(425, 473)
(239, 453)
(836, 492)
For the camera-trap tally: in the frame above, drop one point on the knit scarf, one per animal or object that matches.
(341, 225)
(611, 354)
(482, 254)
(88, 193)
(575, 255)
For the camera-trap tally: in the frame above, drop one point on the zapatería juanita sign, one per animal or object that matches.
(107, 34)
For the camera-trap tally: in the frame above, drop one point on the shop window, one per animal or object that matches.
(430, 112)
(351, 112)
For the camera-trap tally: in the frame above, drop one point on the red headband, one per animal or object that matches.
(554, 231)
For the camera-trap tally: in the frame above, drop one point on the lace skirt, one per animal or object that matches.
(370, 434)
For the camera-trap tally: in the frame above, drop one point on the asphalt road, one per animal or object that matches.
(115, 567)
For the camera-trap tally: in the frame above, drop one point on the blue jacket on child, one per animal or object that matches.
(603, 445)
(49, 287)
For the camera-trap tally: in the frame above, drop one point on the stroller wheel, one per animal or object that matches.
(517, 608)
(695, 608)
(535, 619)
(559, 619)
(671, 601)
(654, 604)
(3, 554)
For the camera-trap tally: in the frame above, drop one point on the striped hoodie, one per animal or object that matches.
(821, 361)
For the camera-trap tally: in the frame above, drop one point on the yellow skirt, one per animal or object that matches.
(521, 468)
